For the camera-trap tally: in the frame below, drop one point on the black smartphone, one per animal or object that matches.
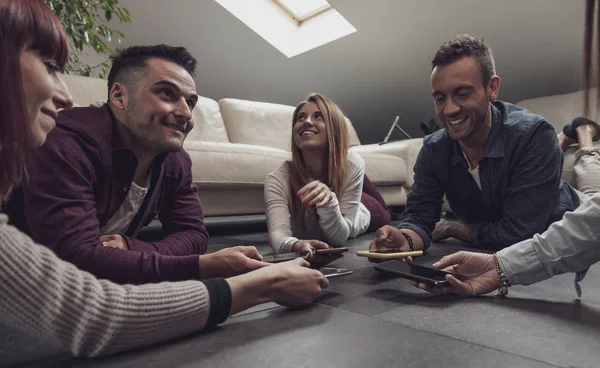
(333, 271)
(329, 251)
(284, 257)
(414, 272)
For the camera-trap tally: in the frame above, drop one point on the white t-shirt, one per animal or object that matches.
(342, 218)
(474, 172)
(120, 221)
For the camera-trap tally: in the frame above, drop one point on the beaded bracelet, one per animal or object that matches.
(504, 283)
(411, 246)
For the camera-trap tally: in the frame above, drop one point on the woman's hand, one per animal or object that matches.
(315, 194)
(315, 260)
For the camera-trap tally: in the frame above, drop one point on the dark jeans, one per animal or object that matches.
(380, 213)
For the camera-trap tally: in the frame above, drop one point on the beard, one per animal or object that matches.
(476, 122)
(149, 131)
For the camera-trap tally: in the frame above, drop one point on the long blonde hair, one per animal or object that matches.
(337, 157)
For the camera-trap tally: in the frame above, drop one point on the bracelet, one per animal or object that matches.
(411, 246)
(504, 283)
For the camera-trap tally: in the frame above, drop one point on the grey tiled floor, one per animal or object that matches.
(371, 319)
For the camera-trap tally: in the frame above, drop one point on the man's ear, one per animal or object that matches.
(118, 95)
(493, 88)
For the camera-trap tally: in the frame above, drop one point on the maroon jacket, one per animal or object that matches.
(78, 180)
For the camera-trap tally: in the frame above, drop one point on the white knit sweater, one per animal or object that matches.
(70, 311)
(343, 218)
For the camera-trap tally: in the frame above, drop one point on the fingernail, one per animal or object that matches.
(436, 264)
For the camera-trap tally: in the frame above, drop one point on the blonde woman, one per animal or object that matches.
(321, 197)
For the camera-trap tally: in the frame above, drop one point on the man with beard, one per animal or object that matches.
(106, 172)
(498, 165)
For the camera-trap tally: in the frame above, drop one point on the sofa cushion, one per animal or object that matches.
(259, 123)
(264, 124)
(354, 141)
(229, 164)
(234, 164)
(86, 90)
(208, 122)
(560, 110)
(384, 169)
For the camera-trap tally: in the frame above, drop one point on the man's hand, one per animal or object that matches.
(114, 241)
(388, 237)
(445, 229)
(315, 194)
(230, 262)
(316, 261)
(475, 274)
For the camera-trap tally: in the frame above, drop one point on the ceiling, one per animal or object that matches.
(383, 69)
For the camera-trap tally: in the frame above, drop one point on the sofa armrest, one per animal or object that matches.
(407, 149)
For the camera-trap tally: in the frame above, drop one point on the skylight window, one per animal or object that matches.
(302, 10)
(291, 26)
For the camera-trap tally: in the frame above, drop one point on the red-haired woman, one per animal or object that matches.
(46, 300)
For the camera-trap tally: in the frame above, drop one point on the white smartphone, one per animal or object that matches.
(334, 272)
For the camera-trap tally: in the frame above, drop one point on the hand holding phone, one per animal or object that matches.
(415, 272)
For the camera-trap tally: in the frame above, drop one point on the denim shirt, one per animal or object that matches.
(521, 193)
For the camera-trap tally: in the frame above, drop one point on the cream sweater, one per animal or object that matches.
(344, 217)
(70, 311)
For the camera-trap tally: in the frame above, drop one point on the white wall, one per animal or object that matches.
(382, 69)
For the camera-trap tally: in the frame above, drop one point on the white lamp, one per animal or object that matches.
(398, 128)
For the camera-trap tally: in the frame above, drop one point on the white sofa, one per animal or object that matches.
(560, 110)
(236, 143)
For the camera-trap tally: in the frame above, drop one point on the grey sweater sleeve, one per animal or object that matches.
(66, 308)
(569, 245)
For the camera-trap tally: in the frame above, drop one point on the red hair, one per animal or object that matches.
(31, 24)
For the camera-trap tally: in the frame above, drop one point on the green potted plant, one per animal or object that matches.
(86, 24)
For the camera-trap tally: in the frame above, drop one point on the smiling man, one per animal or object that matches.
(106, 172)
(498, 165)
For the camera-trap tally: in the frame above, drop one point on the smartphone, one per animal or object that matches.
(333, 271)
(284, 257)
(386, 254)
(329, 251)
(414, 272)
